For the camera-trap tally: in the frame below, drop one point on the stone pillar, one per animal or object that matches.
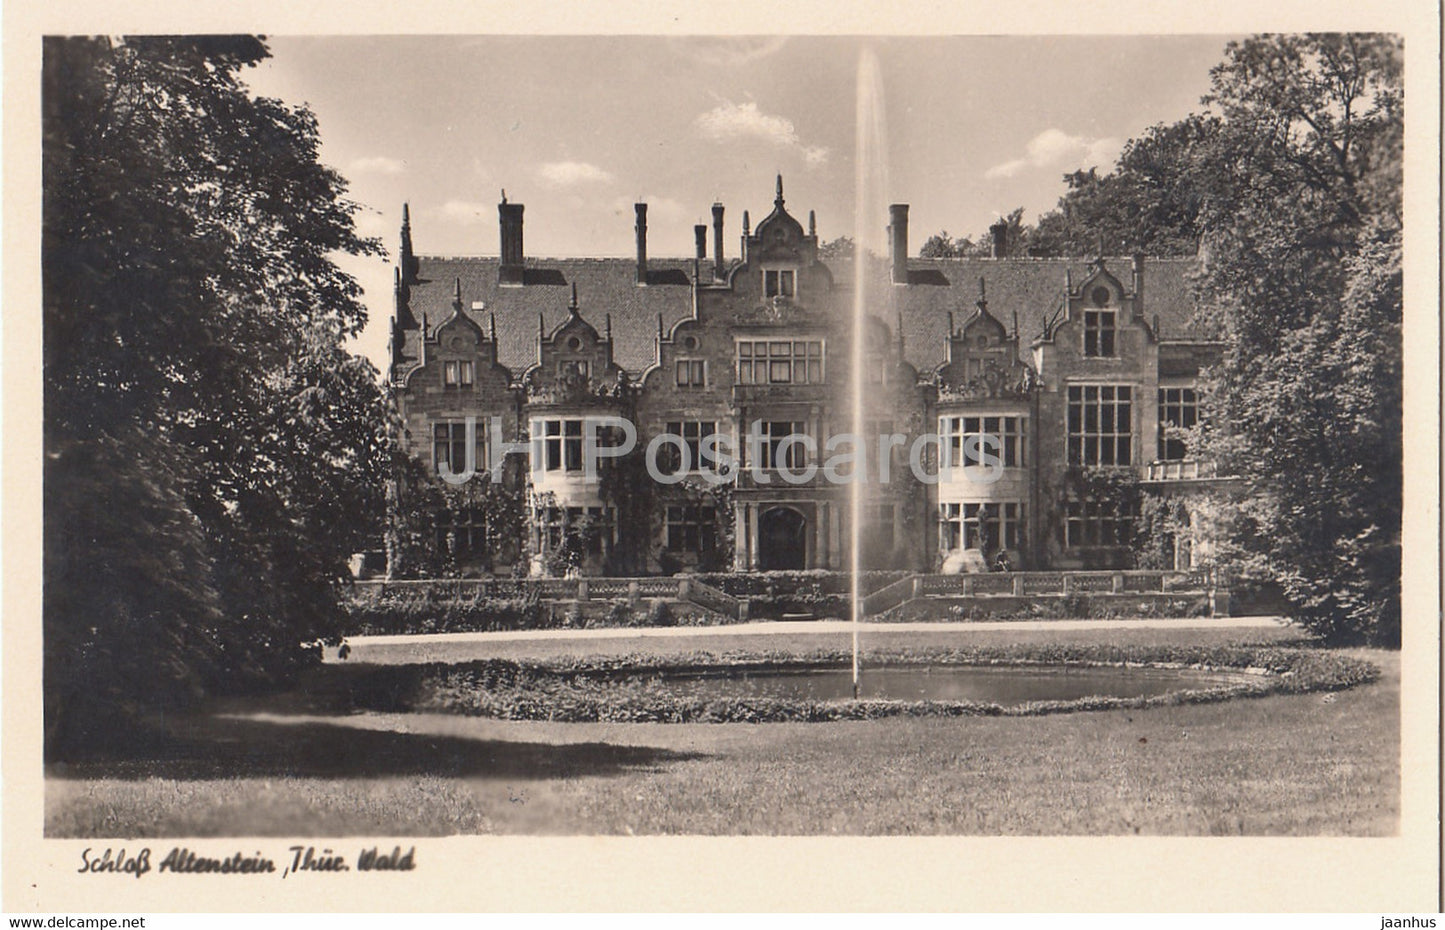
(815, 554)
(840, 552)
(740, 537)
(753, 512)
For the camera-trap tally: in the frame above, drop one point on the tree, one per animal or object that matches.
(941, 245)
(1148, 203)
(841, 247)
(1303, 284)
(213, 452)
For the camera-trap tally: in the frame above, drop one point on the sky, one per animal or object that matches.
(580, 128)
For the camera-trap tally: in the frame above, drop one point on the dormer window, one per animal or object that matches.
(691, 372)
(1099, 332)
(780, 282)
(457, 374)
(1100, 323)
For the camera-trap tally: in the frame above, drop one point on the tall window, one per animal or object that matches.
(691, 529)
(771, 449)
(779, 282)
(1178, 407)
(691, 372)
(1097, 523)
(577, 367)
(457, 374)
(988, 527)
(774, 361)
(692, 433)
(1008, 433)
(461, 532)
(593, 524)
(449, 446)
(1101, 424)
(1099, 333)
(563, 445)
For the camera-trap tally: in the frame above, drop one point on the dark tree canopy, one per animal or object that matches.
(213, 451)
(1301, 229)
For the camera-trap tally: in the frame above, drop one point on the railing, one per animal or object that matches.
(704, 595)
(1182, 470)
(891, 595)
(1024, 584)
(690, 588)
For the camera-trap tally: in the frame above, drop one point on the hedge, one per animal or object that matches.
(628, 689)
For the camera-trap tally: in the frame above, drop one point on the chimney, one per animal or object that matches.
(717, 242)
(1138, 267)
(510, 216)
(999, 231)
(641, 209)
(699, 233)
(898, 241)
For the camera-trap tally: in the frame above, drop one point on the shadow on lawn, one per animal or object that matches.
(215, 747)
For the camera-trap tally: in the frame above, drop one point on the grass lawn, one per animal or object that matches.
(1312, 764)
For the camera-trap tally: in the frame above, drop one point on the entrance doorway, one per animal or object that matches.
(782, 540)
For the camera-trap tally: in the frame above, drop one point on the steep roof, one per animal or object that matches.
(1032, 287)
(604, 286)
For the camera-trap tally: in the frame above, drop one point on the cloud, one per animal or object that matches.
(377, 164)
(568, 173)
(1054, 148)
(467, 212)
(729, 121)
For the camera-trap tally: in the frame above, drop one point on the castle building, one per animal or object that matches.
(1028, 379)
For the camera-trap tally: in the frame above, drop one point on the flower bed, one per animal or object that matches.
(627, 688)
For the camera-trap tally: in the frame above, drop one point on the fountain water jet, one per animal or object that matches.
(870, 179)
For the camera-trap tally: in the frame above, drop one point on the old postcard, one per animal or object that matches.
(818, 459)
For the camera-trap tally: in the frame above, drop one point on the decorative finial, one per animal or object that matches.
(406, 214)
(573, 304)
(1100, 250)
(659, 327)
(609, 327)
(1016, 326)
(982, 293)
(504, 195)
(492, 325)
(457, 296)
(779, 200)
(951, 330)
(747, 224)
(812, 224)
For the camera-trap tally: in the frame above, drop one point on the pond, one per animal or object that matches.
(1002, 685)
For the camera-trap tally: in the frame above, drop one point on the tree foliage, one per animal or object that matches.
(1288, 187)
(1303, 283)
(213, 452)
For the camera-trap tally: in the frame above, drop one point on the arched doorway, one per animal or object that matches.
(782, 540)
